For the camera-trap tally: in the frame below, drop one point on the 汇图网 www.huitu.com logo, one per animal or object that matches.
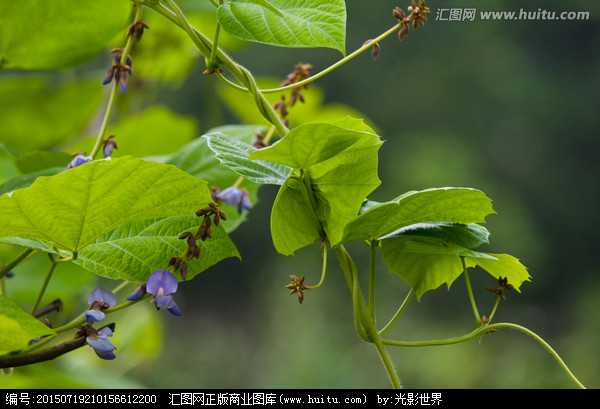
(470, 14)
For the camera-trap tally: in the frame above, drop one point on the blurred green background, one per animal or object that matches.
(508, 107)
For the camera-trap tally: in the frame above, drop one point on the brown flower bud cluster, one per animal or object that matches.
(417, 15)
(300, 73)
(193, 250)
(502, 285)
(137, 29)
(119, 71)
(297, 286)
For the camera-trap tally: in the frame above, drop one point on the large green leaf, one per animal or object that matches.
(425, 263)
(303, 23)
(72, 209)
(134, 250)
(449, 204)
(233, 153)
(340, 166)
(37, 34)
(18, 327)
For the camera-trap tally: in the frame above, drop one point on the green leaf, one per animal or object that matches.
(21, 182)
(134, 250)
(268, 6)
(59, 33)
(197, 159)
(72, 209)
(18, 327)
(449, 204)
(465, 235)
(37, 161)
(233, 153)
(425, 263)
(161, 130)
(305, 23)
(40, 117)
(339, 165)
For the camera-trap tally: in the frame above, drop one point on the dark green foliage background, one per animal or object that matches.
(508, 107)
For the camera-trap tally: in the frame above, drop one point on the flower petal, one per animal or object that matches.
(161, 283)
(103, 295)
(93, 316)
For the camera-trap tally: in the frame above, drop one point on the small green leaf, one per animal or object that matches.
(233, 153)
(18, 327)
(449, 204)
(59, 33)
(341, 165)
(133, 251)
(302, 23)
(72, 209)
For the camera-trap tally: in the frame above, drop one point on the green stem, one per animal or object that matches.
(470, 291)
(309, 198)
(44, 285)
(372, 266)
(7, 268)
(494, 309)
(113, 92)
(389, 325)
(483, 330)
(327, 70)
(364, 325)
(323, 270)
(176, 16)
(213, 52)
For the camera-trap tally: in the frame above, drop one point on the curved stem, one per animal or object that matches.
(364, 325)
(323, 270)
(389, 325)
(175, 15)
(6, 269)
(481, 331)
(43, 289)
(470, 291)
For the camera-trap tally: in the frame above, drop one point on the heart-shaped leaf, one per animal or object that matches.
(73, 208)
(301, 23)
(449, 204)
(336, 166)
(425, 263)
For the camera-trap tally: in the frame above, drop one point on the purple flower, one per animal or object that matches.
(99, 299)
(99, 341)
(79, 160)
(236, 197)
(161, 284)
